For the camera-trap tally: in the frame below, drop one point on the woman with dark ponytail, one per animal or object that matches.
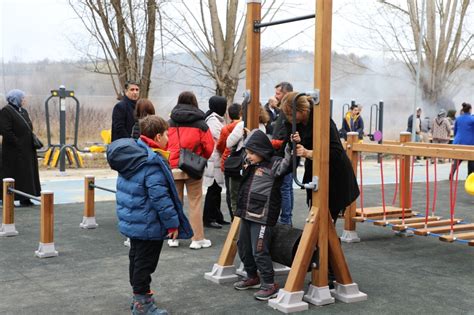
(464, 134)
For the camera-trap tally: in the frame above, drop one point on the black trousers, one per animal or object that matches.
(227, 197)
(143, 256)
(212, 204)
(254, 250)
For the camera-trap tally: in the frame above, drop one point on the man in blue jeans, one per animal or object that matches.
(280, 132)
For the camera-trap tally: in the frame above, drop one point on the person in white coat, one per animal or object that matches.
(213, 176)
(235, 142)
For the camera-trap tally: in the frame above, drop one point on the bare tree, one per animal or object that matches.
(124, 33)
(199, 31)
(446, 46)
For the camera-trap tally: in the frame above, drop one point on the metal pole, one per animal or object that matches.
(62, 130)
(258, 26)
(418, 69)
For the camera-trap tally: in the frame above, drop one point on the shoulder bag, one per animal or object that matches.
(189, 162)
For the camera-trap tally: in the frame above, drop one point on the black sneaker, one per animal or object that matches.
(247, 283)
(267, 292)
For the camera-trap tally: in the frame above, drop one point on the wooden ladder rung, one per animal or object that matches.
(445, 229)
(362, 219)
(378, 211)
(419, 225)
(460, 236)
(407, 221)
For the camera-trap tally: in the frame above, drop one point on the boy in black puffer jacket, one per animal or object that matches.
(259, 205)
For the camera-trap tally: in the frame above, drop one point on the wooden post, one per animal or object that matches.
(352, 137)
(349, 235)
(8, 218)
(405, 167)
(46, 244)
(88, 220)
(223, 270)
(318, 228)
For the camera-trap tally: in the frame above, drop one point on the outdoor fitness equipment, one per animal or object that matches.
(55, 152)
(318, 230)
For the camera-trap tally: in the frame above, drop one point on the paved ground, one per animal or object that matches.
(418, 275)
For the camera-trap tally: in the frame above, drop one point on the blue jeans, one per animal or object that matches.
(286, 199)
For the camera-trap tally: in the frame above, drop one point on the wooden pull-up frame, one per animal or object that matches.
(318, 230)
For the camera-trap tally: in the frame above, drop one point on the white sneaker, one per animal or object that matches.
(195, 245)
(127, 242)
(205, 243)
(173, 243)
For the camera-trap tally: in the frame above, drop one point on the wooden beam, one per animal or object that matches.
(405, 192)
(428, 145)
(252, 83)
(252, 58)
(8, 215)
(47, 217)
(321, 118)
(445, 229)
(349, 224)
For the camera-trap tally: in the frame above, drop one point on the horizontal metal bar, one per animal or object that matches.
(103, 188)
(257, 26)
(18, 192)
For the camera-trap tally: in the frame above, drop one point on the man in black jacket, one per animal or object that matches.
(123, 114)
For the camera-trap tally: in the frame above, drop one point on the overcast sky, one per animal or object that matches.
(33, 30)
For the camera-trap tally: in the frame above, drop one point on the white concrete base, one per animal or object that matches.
(88, 223)
(221, 274)
(348, 293)
(241, 271)
(127, 242)
(350, 237)
(46, 250)
(8, 230)
(289, 302)
(406, 233)
(279, 269)
(319, 295)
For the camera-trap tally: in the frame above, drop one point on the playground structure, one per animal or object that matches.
(46, 244)
(59, 152)
(318, 229)
(404, 219)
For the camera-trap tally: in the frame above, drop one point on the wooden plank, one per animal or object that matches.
(407, 221)
(460, 236)
(349, 224)
(445, 229)
(378, 211)
(419, 225)
(380, 217)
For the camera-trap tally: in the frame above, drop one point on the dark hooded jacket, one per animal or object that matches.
(259, 198)
(123, 119)
(343, 188)
(194, 134)
(148, 204)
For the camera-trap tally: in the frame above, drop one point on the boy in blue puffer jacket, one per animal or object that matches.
(148, 206)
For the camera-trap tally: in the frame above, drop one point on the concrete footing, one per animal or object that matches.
(8, 230)
(348, 293)
(350, 237)
(222, 274)
(46, 250)
(319, 295)
(88, 223)
(289, 302)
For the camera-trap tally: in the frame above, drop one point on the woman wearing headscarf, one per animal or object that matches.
(20, 161)
(213, 176)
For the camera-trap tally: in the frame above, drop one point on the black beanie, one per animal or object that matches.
(258, 143)
(218, 105)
